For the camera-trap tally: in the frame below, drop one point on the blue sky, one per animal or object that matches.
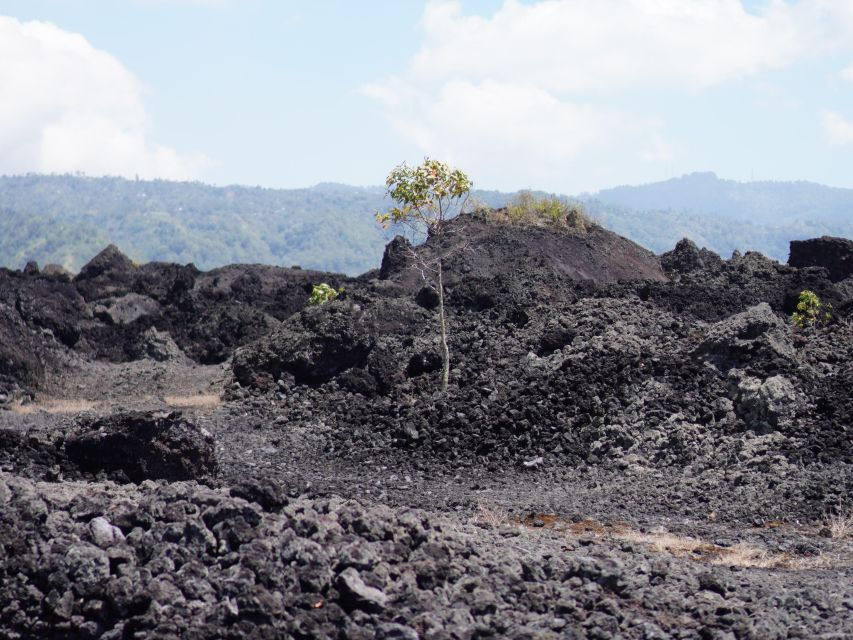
(562, 95)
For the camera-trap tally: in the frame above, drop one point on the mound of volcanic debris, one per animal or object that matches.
(709, 288)
(207, 314)
(119, 311)
(478, 251)
(611, 375)
(141, 446)
(98, 560)
(380, 335)
(22, 357)
(125, 447)
(36, 455)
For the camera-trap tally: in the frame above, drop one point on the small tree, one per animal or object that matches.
(427, 196)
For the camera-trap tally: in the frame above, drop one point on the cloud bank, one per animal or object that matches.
(65, 106)
(546, 86)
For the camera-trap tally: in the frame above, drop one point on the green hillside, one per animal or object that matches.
(67, 219)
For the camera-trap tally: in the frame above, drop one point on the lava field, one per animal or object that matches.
(631, 446)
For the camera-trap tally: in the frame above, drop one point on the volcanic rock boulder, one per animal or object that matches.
(159, 346)
(57, 272)
(687, 257)
(765, 405)
(756, 337)
(833, 254)
(44, 304)
(38, 316)
(126, 309)
(210, 336)
(19, 364)
(396, 258)
(313, 347)
(142, 446)
(365, 344)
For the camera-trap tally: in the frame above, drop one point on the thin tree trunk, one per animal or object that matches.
(445, 352)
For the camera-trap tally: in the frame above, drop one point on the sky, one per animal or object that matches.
(567, 96)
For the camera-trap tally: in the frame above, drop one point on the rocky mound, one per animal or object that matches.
(478, 249)
(117, 310)
(207, 314)
(708, 288)
(615, 375)
(39, 315)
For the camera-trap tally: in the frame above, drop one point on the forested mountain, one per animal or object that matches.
(68, 219)
(725, 215)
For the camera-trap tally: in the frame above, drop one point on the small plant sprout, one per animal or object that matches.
(810, 311)
(323, 293)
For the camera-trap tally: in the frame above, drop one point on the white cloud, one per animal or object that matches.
(513, 129)
(847, 73)
(66, 106)
(607, 45)
(530, 78)
(837, 129)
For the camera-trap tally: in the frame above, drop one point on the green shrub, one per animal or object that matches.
(810, 311)
(322, 293)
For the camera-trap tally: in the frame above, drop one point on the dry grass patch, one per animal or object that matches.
(199, 401)
(840, 524)
(491, 515)
(738, 555)
(660, 541)
(54, 406)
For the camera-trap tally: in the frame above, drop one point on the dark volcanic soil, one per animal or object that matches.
(630, 447)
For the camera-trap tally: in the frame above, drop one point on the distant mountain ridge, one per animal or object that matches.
(767, 202)
(725, 215)
(67, 219)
